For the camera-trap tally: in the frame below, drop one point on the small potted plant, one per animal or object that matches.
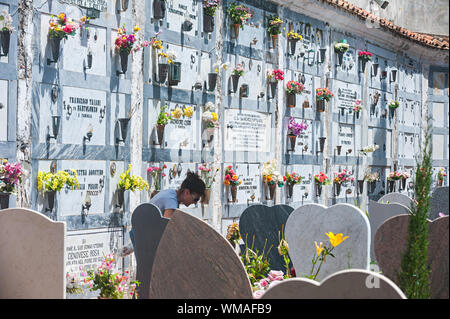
(237, 72)
(159, 9)
(357, 107)
(156, 174)
(273, 76)
(294, 130)
(364, 56)
(320, 180)
(6, 29)
(232, 180)
(274, 29)
(322, 95)
(340, 48)
(238, 14)
(50, 183)
(208, 175)
(131, 183)
(60, 27)
(291, 180)
(441, 176)
(10, 176)
(112, 285)
(163, 119)
(292, 89)
(293, 38)
(209, 11)
(371, 179)
(272, 178)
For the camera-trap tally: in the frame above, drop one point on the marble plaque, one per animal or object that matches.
(247, 131)
(203, 264)
(346, 139)
(310, 223)
(92, 178)
(391, 243)
(262, 222)
(302, 192)
(250, 189)
(179, 11)
(345, 284)
(439, 202)
(32, 255)
(85, 249)
(84, 111)
(346, 95)
(304, 142)
(253, 77)
(438, 110)
(3, 110)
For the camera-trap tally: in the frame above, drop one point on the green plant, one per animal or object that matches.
(131, 182)
(238, 13)
(274, 27)
(164, 117)
(256, 265)
(414, 277)
(283, 250)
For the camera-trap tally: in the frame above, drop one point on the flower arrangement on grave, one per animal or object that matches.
(371, 177)
(274, 76)
(74, 285)
(293, 178)
(256, 264)
(156, 172)
(6, 22)
(131, 182)
(323, 94)
(274, 25)
(188, 111)
(60, 27)
(167, 58)
(232, 180)
(323, 251)
(233, 234)
(357, 107)
(210, 7)
(341, 46)
(238, 70)
(404, 175)
(238, 14)
(295, 128)
(125, 42)
(321, 179)
(441, 175)
(207, 175)
(393, 105)
(271, 176)
(54, 182)
(294, 87)
(10, 176)
(343, 177)
(156, 43)
(112, 285)
(209, 116)
(273, 278)
(369, 149)
(163, 119)
(177, 113)
(294, 36)
(395, 176)
(365, 55)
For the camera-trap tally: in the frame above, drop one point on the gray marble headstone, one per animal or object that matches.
(439, 202)
(148, 228)
(378, 214)
(32, 254)
(264, 222)
(345, 284)
(194, 261)
(391, 242)
(310, 223)
(398, 198)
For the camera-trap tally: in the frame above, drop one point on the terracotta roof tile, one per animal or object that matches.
(438, 42)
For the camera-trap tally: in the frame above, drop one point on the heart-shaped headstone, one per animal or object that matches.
(148, 228)
(378, 214)
(310, 223)
(397, 198)
(193, 261)
(265, 223)
(391, 243)
(439, 202)
(345, 284)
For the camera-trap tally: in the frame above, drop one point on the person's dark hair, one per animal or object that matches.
(194, 183)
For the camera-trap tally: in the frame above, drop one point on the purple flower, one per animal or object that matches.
(296, 128)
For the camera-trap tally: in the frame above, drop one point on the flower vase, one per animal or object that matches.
(337, 189)
(208, 23)
(55, 45)
(272, 188)
(124, 60)
(318, 190)
(363, 65)
(360, 186)
(357, 114)
(293, 45)
(6, 37)
(236, 28)
(159, 9)
(291, 99)
(293, 140)
(163, 71)
(212, 81)
(4, 200)
(50, 200)
(371, 186)
(233, 189)
(274, 40)
(160, 133)
(290, 190)
(391, 186)
(235, 81)
(320, 105)
(273, 88)
(154, 193)
(340, 57)
(403, 184)
(440, 181)
(205, 199)
(120, 197)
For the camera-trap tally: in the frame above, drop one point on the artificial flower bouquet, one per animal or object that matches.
(395, 176)
(209, 116)
(10, 176)
(441, 174)
(275, 75)
(271, 176)
(156, 172)
(50, 182)
(238, 70)
(210, 7)
(393, 105)
(131, 182)
(6, 22)
(323, 94)
(61, 26)
(341, 47)
(357, 106)
(295, 128)
(294, 36)
(274, 27)
(231, 178)
(164, 116)
(372, 177)
(238, 14)
(343, 177)
(207, 175)
(292, 178)
(365, 55)
(294, 87)
(321, 179)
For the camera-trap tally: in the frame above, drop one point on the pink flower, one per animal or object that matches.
(275, 275)
(258, 294)
(264, 282)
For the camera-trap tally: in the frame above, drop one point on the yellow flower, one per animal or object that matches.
(188, 111)
(136, 28)
(337, 239)
(215, 117)
(177, 113)
(319, 248)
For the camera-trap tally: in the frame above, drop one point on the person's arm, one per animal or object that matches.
(168, 213)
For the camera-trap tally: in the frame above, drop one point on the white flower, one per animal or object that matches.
(209, 106)
(207, 116)
(171, 55)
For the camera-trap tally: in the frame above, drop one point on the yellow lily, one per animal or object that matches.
(337, 239)
(319, 248)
